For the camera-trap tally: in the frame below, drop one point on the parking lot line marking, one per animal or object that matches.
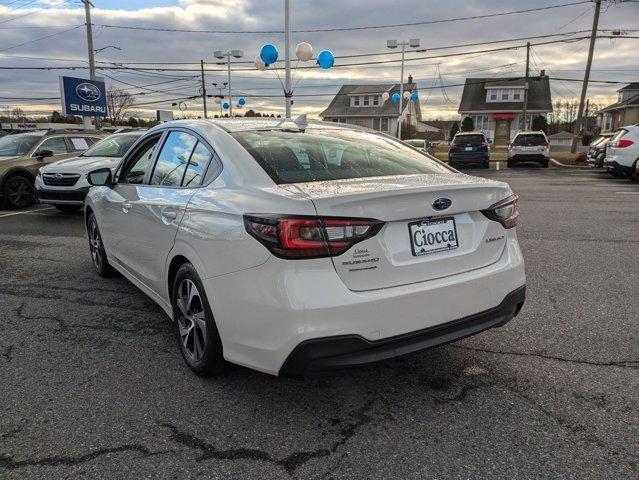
(25, 212)
(628, 193)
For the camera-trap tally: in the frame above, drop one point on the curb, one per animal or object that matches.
(563, 165)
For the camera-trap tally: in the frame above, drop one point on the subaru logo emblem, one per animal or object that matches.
(57, 177)
(442, 203)
(88, 92)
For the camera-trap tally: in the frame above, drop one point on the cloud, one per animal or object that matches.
(614, 60)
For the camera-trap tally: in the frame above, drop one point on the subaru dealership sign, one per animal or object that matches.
(83, 97)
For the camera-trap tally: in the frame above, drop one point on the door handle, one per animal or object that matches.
(169, 214)
(126, 206)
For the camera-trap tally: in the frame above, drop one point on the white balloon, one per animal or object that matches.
(259, 63)
(406, 95)
(217, 100)
(385, 96)
(304, 51)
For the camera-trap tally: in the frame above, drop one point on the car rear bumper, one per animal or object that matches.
(320, 356)
(617, 167)
(62, 197)
(469, 157)
(264, 313)
(529, 157)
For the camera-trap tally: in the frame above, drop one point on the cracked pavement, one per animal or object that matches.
(92, 384)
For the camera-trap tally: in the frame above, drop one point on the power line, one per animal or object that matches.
(342, 29)
(36, 11)
(41, 38)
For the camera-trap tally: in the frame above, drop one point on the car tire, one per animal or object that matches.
(68, 208)
(195, 329)
(18, 192)
(96, 247)
(545, 164)
(486, 164)
(510, 164)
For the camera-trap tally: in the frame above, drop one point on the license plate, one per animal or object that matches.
(433, 235)
(528, 149)
(469, 149)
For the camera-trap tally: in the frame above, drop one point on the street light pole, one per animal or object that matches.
(232, 53)
(287, 54)
(413, 43)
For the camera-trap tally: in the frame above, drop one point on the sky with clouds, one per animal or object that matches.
(51, 33)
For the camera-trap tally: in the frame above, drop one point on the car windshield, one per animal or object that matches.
(529, 140)
(113, 146)
(332, 154)
(477, 139)
(16, 145)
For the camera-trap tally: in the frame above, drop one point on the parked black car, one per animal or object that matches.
(597, 151)
(469, 148)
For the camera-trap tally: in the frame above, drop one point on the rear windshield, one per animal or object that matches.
(618, 134)
(332, 154)
(477, 139)
(529, 140)
(113, 146)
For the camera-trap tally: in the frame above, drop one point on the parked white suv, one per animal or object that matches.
(295, 248)
(529, 147)
(64, 184)
(622, 153)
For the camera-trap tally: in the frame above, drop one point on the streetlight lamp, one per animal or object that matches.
(412, 43)
(235, 54)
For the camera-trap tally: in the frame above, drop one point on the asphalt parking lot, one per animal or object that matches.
(92, 384)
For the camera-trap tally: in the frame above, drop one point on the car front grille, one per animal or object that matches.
(60, 179)
(77, 195)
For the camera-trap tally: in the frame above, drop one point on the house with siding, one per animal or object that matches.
(363, 105)
(625, 111)
(496, 105)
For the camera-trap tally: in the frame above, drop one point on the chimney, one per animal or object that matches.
(542, 73)
(410, 78)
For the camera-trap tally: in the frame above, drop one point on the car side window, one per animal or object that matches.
(138, 165)
(173, 159)
(196, 166)
(55, 144)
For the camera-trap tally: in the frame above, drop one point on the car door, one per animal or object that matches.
(114, 214)
(57, 145)
(160, 204)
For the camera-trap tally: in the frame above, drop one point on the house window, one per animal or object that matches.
(480, 122)
(367, 101)
(356, 101)
(376, 123)
(505, 94)
(517, 95)
(607, 122)
(492, 95)
(375, 100)
(384, 124)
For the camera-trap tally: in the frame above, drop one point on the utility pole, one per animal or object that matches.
(526, 85)
(287, 55)
(584, 87)
(86, 121)
(206, 115)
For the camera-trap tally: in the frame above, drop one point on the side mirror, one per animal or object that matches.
(40, 154)
(100, 177)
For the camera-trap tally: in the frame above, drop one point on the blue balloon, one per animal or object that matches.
(326, 59)
(395, 98)
(241, 102)
(414, 96)
(225, 105)
(268, 54)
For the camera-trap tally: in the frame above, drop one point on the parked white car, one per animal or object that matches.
(529, 147)
(296, 248)
(622, 153)
(64, 184)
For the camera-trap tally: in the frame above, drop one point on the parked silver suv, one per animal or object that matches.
(529, 147)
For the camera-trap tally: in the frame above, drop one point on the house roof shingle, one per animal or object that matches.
(630, 101)
(474, 95)
(630, 86)
(340, 106)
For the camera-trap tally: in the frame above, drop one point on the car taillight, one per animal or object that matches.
(504, 212)
(621, 143)
(546, 144)
(309, 237)
(484, 144)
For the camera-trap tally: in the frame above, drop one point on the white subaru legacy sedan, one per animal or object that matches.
(300, 248)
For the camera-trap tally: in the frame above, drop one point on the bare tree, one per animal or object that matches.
(119, 102)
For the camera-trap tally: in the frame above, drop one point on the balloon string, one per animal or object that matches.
(280, 79)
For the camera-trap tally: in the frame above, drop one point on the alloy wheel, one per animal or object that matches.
(19, 192)
(191, 320)
(94, 245)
